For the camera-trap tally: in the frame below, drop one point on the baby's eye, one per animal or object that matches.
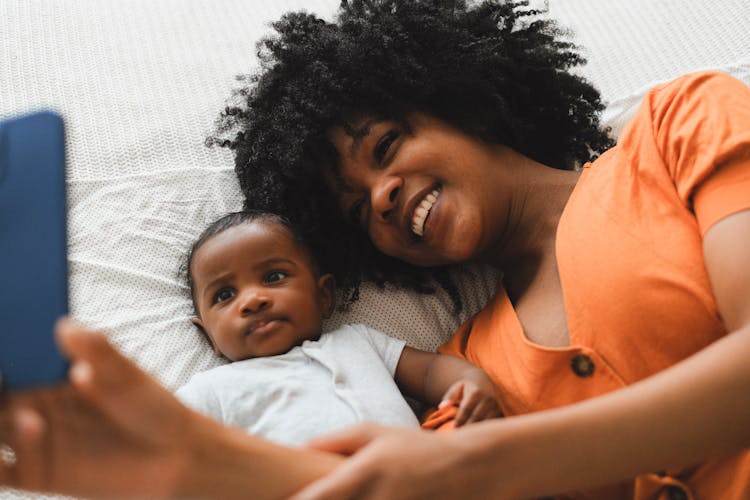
(275, 276)
(223, 294)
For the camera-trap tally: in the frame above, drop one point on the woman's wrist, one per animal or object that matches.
(507, 455)
(483, 457)
(224, 462)
(215, 462)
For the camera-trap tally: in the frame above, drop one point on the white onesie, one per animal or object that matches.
(344, 378)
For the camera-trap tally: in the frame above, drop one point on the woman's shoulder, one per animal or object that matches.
(695, 80)
(694, 90)
(684, 108)
(690, 137)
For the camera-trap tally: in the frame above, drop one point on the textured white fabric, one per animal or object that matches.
(344, 378)
(140, 83)
(633, 45)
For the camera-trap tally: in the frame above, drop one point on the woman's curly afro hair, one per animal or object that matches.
(497, 69)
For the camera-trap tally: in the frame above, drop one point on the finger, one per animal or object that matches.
(21, 459)
(478, 413)
(4, 480)
(28, 466)
(453, 395)
(116, 386)
(6, 429)
(461, 416)
(98, 369)
(6, 423)
(486, 409)
(81, 344)
(7, 458)
(7, 467)
(348, 441)
(467, 407)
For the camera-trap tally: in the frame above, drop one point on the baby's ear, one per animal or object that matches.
(199, 324)
(327, 290)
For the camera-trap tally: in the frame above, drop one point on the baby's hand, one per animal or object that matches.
(476, 400)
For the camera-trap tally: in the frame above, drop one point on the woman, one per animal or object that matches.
(446, 135)
(427, 132)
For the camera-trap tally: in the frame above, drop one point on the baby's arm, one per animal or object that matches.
(441, 380)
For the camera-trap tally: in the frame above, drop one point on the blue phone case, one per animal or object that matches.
(33, 258)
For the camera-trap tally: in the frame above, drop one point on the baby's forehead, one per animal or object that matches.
(276, 227)
(285, 233)
(250, 233)
(254, 240)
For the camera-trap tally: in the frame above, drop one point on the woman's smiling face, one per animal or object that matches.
(424, 192)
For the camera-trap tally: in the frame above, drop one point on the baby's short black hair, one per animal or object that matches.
(235, 219)
(497, 69)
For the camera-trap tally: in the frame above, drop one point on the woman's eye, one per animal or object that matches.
(275, 276)
(222, 295)
(384, 144)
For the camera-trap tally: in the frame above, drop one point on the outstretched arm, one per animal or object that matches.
(113, 431)
(439, 380)
(696, 410)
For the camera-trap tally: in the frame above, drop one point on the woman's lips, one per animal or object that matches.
(422, 211)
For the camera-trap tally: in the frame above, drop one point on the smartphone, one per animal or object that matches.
(33, 249)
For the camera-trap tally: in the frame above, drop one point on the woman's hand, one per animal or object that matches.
(112, 431)
(475, 398)
(397, 463)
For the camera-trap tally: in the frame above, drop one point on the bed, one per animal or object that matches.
(140, 83)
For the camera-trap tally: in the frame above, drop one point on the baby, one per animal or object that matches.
(260, 299)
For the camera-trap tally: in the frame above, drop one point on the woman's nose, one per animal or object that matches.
(253, 301)
(384, 196)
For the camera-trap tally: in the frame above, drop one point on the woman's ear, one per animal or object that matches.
(199, 324)
(327, 291)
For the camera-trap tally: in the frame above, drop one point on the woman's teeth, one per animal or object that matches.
(421, 212)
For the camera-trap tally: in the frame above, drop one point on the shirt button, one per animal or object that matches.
(675, 492)
(582, 365)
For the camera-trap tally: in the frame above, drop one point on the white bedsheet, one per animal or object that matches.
(140, 83)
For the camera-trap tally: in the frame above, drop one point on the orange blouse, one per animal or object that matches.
(629, 254)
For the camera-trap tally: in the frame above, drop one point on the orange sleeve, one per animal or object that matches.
(456, 345)
(701, 125)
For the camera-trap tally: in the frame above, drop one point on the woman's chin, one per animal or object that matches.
(441, 257)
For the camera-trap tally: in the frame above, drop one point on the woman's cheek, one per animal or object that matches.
(382, 240)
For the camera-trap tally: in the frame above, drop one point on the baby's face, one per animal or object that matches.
(256, 291)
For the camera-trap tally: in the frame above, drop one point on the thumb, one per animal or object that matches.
(128, 396)
(105, 377)
(91, 357)
(77, 342)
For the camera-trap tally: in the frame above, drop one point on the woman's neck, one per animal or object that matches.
(532, 211)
